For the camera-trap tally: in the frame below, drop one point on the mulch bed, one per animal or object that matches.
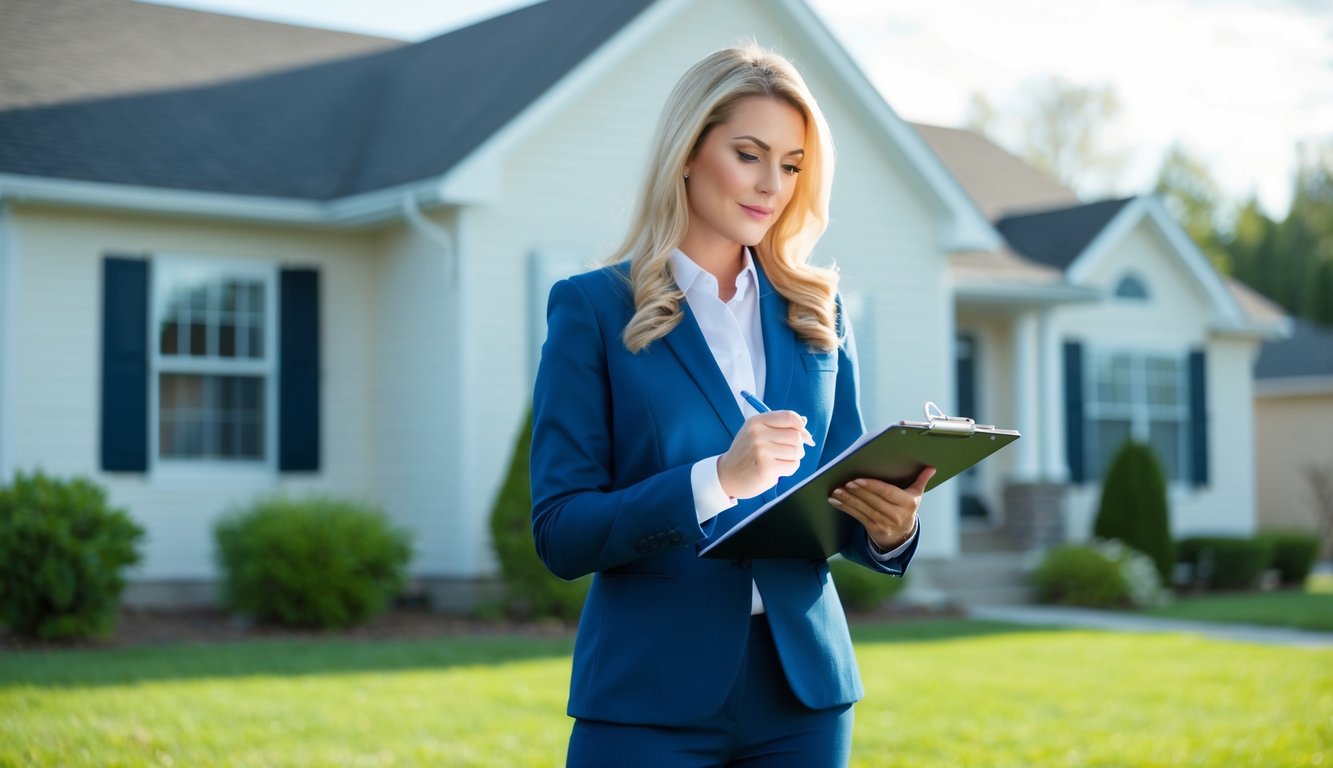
(137, 627)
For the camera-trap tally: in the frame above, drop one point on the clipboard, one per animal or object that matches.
(801, 524)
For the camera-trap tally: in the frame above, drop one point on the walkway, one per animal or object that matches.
(1086, 618)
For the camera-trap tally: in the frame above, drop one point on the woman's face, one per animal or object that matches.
(744, 173)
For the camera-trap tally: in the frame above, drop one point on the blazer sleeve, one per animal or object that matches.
(845, 426)
(582, 522)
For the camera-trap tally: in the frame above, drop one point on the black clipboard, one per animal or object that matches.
(801, 524)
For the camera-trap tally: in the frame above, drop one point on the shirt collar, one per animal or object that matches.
(687, 272)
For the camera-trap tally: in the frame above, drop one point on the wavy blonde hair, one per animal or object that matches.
(706, 96)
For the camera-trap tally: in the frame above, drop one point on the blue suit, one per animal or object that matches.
(615, 435)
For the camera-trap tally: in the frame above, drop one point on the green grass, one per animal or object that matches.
(956, 693)
(1284, 609)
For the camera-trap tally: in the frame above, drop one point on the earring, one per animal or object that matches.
(687, 177)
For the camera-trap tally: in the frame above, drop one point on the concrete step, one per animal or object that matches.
(974, 578)
(985, 538)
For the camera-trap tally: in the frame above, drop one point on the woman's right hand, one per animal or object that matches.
(770, 446)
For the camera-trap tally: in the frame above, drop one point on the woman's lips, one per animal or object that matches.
(757, 211)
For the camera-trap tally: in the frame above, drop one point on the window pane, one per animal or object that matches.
(1165, 439)
(1111, 434)
(198, 343)
(255, 342)
(211, 417)
(1164, 381)
(1114, 379)
(226, 339)
(170, 343)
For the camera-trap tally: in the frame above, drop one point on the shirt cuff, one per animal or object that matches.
(897, 551)
(709, 498)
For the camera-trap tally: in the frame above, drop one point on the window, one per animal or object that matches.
(1143, 397)
(1131, 286)
(213, 361)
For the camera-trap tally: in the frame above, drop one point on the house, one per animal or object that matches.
(1293, 418)
(331, 278)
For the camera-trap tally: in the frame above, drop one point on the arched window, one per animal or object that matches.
(1131, 286)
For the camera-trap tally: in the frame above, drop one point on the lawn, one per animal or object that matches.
(956, 693)
(1297, 609)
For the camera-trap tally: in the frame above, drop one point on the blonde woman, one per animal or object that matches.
(644, 446)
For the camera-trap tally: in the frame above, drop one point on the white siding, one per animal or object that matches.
(1291, 436)
(56, 380)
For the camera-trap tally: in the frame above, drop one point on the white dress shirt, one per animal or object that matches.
(735, 337)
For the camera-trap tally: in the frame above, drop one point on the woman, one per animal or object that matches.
(644, 446)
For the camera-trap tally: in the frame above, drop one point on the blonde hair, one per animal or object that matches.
(706, 96)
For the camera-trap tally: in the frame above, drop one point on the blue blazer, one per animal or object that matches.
(614, 438)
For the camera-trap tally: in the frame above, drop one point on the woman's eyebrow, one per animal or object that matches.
(764, 146)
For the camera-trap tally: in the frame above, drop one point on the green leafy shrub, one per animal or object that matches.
(1134, 507)
(316, 562)
(1293, 554)
(530, 590)
(861, 589)
(1226, 562)
(1103, 574)
(1080, 575)
(62, 550)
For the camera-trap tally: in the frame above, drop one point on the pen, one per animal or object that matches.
(759, 406)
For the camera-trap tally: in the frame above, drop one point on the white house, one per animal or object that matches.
(332, 278)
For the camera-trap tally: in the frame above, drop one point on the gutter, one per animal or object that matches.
(360, 210)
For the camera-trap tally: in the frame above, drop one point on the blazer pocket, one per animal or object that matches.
(825, 361)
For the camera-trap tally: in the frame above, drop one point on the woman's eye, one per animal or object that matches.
(790, 170)
(746, 157)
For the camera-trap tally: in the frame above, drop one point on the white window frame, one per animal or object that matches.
(190, 470)
(1139, 411)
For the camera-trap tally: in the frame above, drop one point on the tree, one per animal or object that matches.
(1195, 200)
(1059, 128)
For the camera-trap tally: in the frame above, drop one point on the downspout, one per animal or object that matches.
(471, 515)
(8, 325)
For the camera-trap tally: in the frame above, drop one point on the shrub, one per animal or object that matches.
(1226, 562)
(861, 589)
(1134, 507)
(530, 590)
(317, 562)
(1293, 554)
(62, 550)
(1080, 575)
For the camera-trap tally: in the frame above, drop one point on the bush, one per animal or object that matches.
(861, 589)
(530, 590)
(1134, 507)
(1226, 562)
(1080, 575)
(62, 550)
(318, 562)
(1293, 554)
(1103, 574)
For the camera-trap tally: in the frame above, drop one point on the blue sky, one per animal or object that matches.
(1236, 82)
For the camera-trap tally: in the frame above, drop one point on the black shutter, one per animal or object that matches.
(1074, 424)
(124, 364)
(1198, 373)
(298, 371)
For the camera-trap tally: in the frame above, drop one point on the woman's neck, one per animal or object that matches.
(721, 259)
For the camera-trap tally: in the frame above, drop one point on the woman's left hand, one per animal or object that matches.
(887, 511)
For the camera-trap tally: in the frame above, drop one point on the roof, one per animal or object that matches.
(323, 131)
(997, 181)
(1057, 237)
(54, 51)
(1307, 352)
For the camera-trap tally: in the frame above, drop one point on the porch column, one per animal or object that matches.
(1027, 400)
(1054, 466)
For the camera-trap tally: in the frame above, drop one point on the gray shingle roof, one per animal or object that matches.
(1057, 237)
(1307, 352)
(54, 51)
(323, 131)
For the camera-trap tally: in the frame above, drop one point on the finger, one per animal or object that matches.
(919, 487)
(872, 508)
(890, 493)
(788, 420)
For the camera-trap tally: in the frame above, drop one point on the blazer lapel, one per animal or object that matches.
(688, 344)
(779, 343)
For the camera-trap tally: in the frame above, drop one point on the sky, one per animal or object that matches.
(1236, 83)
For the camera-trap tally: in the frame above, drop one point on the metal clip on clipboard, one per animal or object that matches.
(950, 426)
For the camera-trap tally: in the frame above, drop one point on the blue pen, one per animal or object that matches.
(756, 402)
(759, 406)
